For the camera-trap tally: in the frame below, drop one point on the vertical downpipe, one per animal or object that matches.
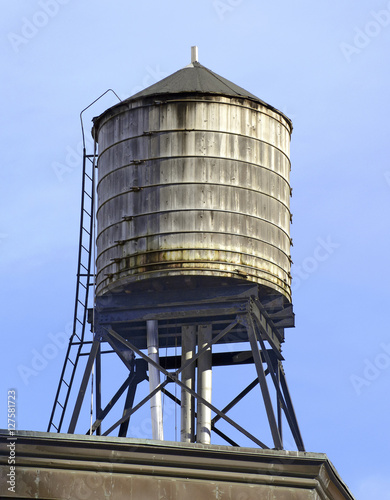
(203, 430)
(154, 380)
(188, 339)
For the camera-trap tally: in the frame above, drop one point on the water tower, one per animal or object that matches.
(192, 252)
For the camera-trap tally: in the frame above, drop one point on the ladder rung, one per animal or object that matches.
(86, 230)
(72, 364)
(90, 178)
(64, 381)
(75, 334)
(86, 211)
(85, 248)
(89, 196)
(60, 404)
(82, 265)
(55, 427)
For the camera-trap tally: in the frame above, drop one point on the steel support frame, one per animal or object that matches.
(259, 330)
(174, 378)
(131, 383)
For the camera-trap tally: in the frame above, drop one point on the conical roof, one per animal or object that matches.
(195, 78)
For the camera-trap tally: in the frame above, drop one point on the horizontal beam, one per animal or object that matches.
(168, 298)
(219, 359)
(168, 312)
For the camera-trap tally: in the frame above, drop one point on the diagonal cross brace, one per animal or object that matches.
(91, 359)
(127, 413)
(103, 413)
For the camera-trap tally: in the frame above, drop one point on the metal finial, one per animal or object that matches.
(194, 54)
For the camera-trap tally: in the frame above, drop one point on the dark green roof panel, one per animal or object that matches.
(192, 79)
(195, 78)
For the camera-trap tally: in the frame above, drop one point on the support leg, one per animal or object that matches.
(83, 386)
(128, 404)
(290, 409)
(98, 366)
(278, 402)
(263, 385)
(283, 398)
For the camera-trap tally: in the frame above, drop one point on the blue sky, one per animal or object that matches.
(326, 67)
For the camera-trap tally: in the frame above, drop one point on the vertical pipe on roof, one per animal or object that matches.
(154, 380)
(188, 336)
(203, 431)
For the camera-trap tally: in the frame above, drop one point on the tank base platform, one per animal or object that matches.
(127, 311)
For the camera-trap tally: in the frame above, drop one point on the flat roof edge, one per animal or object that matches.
(46, 458)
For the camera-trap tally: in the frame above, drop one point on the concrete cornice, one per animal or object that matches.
(43, 458)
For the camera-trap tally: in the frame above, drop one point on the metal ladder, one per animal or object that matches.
(84, 282)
